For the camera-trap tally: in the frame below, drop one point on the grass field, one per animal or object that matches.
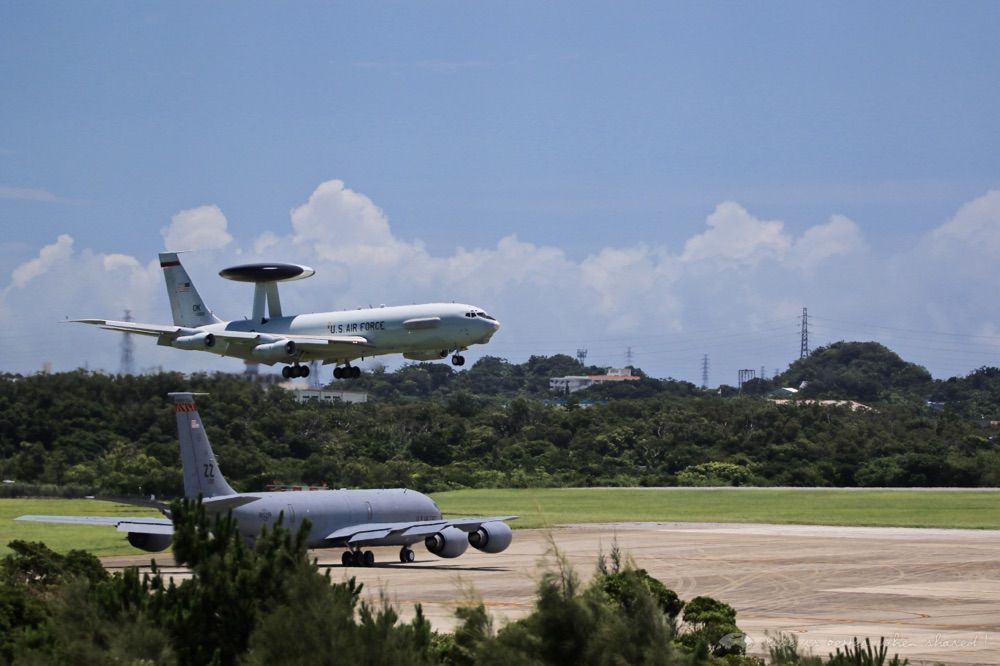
(878, 508)
(556, 506)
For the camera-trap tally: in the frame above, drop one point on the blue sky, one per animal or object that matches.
(678, 178)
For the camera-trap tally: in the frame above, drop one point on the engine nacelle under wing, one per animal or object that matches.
(449, 542)
(282, 350)
(196, 341)
(152, 543)
(491, 537)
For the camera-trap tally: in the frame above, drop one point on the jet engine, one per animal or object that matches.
(152, 543)
(281, 350)
(449, 542)
(426, 355)
(491, 537)
(196, 341)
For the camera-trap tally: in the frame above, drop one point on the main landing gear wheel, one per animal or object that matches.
(346, 372)
(406, 555)
(357, 558)
(458, 359)
(293, 371)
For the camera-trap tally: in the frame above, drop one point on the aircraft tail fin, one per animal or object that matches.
(185, 302)
(201, 473)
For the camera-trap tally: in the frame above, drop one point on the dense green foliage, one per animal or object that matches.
(863, 371)
(268, 604)
(430, 427)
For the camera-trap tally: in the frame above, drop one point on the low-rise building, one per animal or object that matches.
(328, 395)
(573, 383)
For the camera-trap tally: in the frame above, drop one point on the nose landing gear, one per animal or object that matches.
(458, 359)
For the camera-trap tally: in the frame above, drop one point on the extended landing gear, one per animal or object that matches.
(458, 359)
(357, 558)
(293, 371)
(347, 372)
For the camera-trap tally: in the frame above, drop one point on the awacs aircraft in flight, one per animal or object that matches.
(424, 332)
(352, 519)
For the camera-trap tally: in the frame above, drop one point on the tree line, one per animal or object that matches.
(431, 428)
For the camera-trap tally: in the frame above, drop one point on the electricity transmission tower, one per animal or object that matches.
(128, 349)
(804, 346)
(704, 372)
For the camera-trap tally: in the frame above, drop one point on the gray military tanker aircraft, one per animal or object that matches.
(424, 332)
(352, 519)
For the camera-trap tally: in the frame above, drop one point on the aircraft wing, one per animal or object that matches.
(325, 342)
(318, 346)
(317, 342)
(315, 346)
(144, 525)
(132, 327)
(371, 534)
(124, 524)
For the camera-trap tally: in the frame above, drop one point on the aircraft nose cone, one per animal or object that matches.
(492, 326)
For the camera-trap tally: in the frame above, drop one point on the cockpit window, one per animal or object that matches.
(482, 314)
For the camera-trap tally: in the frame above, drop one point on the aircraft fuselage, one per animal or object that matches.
(404, 329)
(331, 510)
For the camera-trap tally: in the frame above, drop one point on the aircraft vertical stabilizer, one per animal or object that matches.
(201, 473)
(185, 302)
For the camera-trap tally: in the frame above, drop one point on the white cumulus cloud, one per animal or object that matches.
(839, 236)
(977, 223)
(201, 228)
(47, 257)
(340, 224)
(736, 236)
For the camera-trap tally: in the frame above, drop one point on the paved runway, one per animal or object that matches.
(934, 594)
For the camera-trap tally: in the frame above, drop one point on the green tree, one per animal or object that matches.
(713, 624)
